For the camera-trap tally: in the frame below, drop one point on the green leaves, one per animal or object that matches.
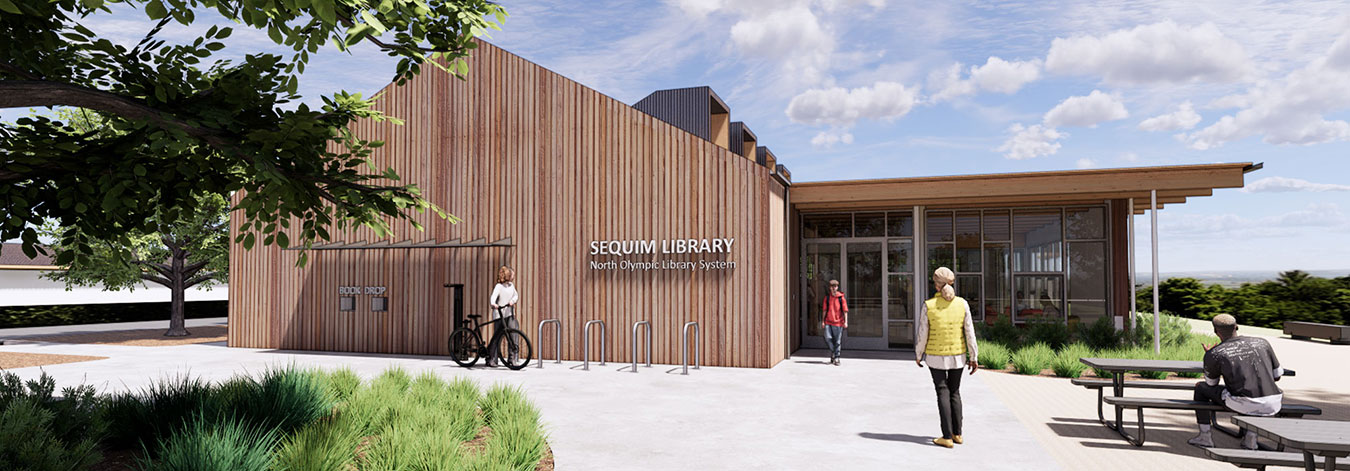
(155, 10)
(209, 127)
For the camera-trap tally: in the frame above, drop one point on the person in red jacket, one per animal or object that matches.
(835, 321)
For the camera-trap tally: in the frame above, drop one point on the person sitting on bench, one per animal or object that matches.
(1249, 371)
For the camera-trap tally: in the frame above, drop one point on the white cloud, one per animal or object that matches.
(1324, 216)
(1086, 163)
(793, 36)
(1291, 110)
(996, 75)
(827, 139)
(1159, 53)
(1184, 117)
(1089, 111)
(1129, 157)
(699, 8)
(843, 107)
(1283, 185)
(1031, 141)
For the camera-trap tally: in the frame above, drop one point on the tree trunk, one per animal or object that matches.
(177, 325)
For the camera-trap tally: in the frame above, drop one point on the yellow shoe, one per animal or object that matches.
(943, 442)
(957, 439)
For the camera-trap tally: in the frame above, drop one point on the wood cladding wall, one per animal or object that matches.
(519, 151)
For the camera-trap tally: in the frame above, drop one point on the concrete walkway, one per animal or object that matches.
(876, 413)
(1063, 417)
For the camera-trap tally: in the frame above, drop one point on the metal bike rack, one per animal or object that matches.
(684, 353)
(557, 343)
(586, 348)
(635, 343)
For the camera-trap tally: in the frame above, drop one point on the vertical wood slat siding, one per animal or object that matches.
(519, 151)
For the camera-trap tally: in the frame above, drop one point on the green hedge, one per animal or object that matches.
(71, 314)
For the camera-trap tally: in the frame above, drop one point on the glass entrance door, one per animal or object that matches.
(859, 265)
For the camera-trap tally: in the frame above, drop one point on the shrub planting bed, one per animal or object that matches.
(284, 419)
(1032, 351)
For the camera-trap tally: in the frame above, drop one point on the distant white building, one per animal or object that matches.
(21, 284)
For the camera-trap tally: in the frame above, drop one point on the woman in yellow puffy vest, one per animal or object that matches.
(946, 336)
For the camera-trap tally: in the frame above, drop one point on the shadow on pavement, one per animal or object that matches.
(898, 437)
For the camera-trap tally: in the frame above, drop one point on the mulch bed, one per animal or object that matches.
(139, 338)
(11, 360)
(1088, 374)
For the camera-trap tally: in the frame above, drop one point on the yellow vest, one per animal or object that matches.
(946, 326)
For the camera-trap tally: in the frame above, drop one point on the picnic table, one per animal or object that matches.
(1118, 366)
(1329, 439)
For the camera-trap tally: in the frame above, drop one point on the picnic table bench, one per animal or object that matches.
(1337, 334)
(1102, 384)
(1119, 366)
(1326, 439)
(1259, 459)
(1141, 403)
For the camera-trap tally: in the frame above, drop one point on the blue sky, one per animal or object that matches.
(845, 89)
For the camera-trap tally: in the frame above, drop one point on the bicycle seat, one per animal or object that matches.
(474, 316)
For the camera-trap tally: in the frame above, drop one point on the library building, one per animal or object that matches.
(669, 211)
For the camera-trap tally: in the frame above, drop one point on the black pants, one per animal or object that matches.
(948, 385)
(507, 322)
(1210, 394)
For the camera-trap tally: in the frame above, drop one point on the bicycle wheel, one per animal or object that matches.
(513, 349)
(465, 347)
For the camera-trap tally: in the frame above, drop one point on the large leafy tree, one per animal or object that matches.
(187, 249)
(189, 123)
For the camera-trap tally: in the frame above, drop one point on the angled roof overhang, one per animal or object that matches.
(1173, 183)
(408, 244)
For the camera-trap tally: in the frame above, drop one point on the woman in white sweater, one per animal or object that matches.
(503, 302)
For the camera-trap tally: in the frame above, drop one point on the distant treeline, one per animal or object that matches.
(1292, 296)
(71, 314)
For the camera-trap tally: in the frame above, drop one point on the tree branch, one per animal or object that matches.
(160, 268)
(11, 68)
(199, 279)
(192, 269)
(40, 93)
(156, 279)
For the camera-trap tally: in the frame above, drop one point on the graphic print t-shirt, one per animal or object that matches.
(1247, 365)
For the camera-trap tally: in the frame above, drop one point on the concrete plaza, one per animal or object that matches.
(875, 412)
(869, 413)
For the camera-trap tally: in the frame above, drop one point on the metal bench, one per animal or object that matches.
(1103, 384)
(1141, 403)
(1337, 334)
(1259, 459)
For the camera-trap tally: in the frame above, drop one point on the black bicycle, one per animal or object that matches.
(466, 344)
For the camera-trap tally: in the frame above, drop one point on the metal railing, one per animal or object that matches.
(586, 349)
(698, 341)
(635, 343)
(557, 341)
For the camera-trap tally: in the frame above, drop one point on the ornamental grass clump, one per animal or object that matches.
(342, 383)
(1032, 359)
(284, 399)
(324, 445)
(141, 420)
(1067, 364)
(1145, 353)
(517, 440)
(993, 355)
(214, 444)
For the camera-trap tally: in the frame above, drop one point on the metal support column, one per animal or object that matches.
(1129, 240)
(1157, 326)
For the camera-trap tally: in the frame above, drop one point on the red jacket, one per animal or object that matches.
(834, 308)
